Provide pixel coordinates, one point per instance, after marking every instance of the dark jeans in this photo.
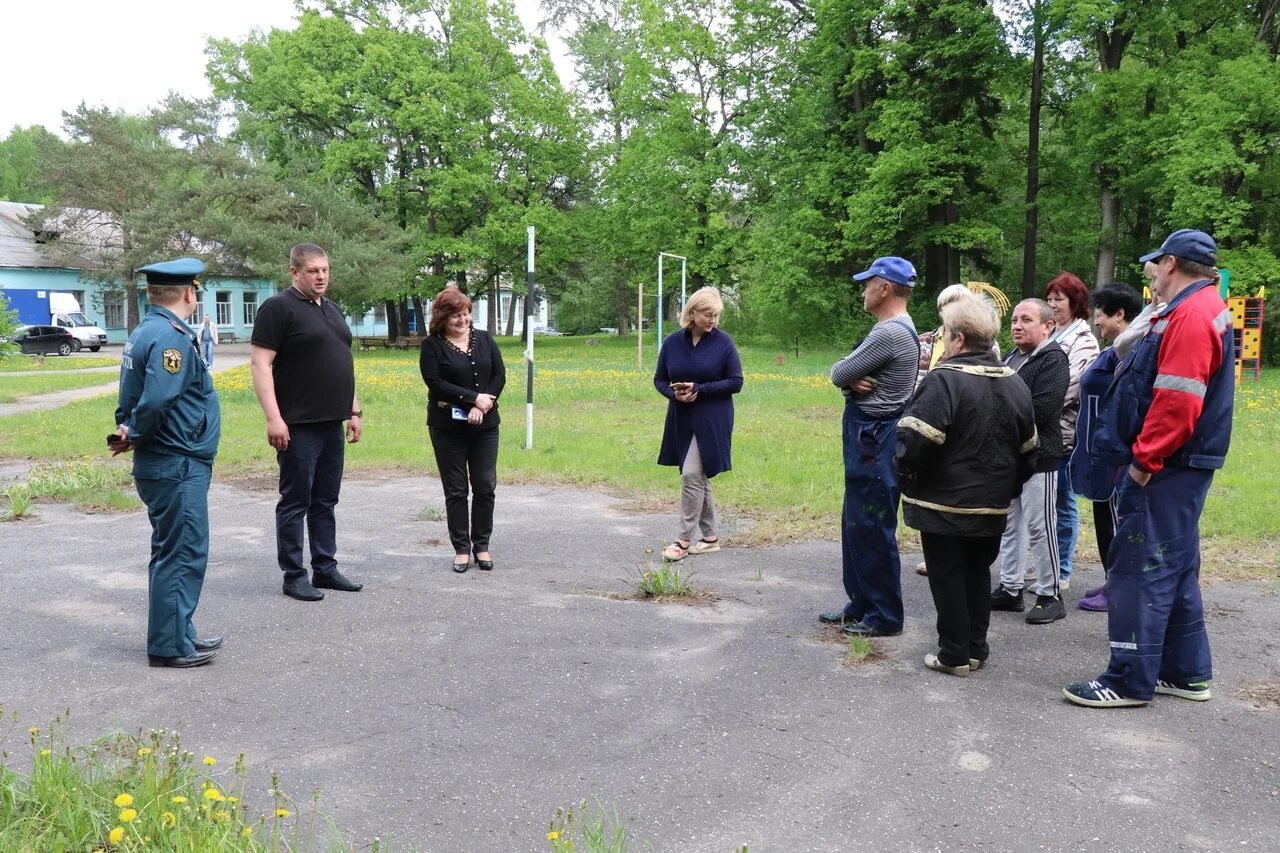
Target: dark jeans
(960, 580)
(310, 479)
(869, 546)
(462, 456)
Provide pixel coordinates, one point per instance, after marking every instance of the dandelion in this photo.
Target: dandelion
(553, 835)
(116, 835)
(45, 753)
(124, 800)
(209, 761)
(233, 800)
(246, 832)
(128, 815)
(178, 800)
(282, 812)
(144, 752)
(214, 794)
(33, 731)
(169, 819)
(221, 815)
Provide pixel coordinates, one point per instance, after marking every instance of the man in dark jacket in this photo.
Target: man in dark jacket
(1042, 365)
(966, 444)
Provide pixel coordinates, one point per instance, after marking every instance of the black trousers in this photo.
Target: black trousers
(960, 580)
(462, 457)
(310, 480)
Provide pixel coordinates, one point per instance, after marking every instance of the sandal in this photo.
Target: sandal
(705, 546)
(675, 552)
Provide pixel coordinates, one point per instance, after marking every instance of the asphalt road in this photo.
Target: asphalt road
(457, 712)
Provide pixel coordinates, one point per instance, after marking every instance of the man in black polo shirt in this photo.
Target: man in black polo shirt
(304, 376)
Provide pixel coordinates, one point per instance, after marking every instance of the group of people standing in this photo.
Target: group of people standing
(989, 455)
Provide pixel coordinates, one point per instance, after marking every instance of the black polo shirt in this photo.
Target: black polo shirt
(314, 370)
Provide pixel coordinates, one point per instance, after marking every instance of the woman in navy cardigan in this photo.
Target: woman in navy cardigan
(698, 372)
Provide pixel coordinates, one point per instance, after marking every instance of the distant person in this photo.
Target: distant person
(1069, 299)
(304, 378)
(877, 379)
(1167, 417)
(1115, 306)
(208, 339)
(168, 415)
(966, 444)
(464, 373)
(1042, 365)
(698, 372)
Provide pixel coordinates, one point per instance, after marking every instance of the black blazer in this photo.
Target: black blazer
(455, 379)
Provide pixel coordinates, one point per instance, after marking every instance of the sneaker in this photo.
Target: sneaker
(1048, 608)
(835, 617)
(932, 662)
(702, 546)
(674, 552)
(1092, 694)
(1010, 600)
(1096, 601)
(975, 664)
(862, 629)
(1196, 691)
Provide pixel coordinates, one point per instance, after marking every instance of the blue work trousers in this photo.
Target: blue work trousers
(1068, 521)
(1155, 617)
(869, 545)
(175, 490)
(310, 479)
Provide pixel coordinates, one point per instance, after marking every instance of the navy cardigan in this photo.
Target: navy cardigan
(716, 371)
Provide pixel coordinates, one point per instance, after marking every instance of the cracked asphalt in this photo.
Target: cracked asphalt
(456, 712)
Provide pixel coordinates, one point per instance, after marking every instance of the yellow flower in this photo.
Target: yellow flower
(116, 835)
(221, 815)
(179, 800)
(214, 794)
(209, 761)
(128, 815)
(33, 731)
(246, 832)
(233, 800)
(169, 819)
(45, 753)
(282, 812)
(123, 800)
(552, 835)
(144, 752)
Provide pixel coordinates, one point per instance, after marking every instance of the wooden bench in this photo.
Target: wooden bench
(227, 338)
(372, 342)
(408, 341)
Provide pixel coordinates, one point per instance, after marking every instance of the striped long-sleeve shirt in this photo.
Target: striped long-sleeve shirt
(889, 354)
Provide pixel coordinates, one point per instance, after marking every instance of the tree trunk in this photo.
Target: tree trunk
(622, 304)
(1030, 234)
(131, 297)
(1109, 210)
(419, 315)
(511, 315)
(491, 315)
(393, 318)
(404, 317)
(941, 262)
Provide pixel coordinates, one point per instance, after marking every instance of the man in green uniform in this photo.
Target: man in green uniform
(168, 415)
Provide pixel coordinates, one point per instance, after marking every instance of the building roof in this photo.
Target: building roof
(85, 237)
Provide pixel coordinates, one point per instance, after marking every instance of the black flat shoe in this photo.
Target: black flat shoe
(336, 580)
(301, 589)
(484, 565)
(461, 567)
(186, 662)
(208, 644)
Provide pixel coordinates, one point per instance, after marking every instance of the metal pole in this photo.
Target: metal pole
(640, 329)
(683, 300)
(528, 352)
(660, 300)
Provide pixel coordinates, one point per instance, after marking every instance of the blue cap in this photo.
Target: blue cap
(181, 271)
(897, 270)
(1195, 246)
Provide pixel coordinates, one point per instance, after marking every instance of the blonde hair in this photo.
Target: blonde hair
(951, 293)
(976, 319)
(702, 299)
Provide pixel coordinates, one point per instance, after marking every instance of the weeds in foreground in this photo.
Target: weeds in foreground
(665, 580)
(19, 497)
(144, 793)
(88, 485)
(579, 829)
(858, 650)
(431, 513)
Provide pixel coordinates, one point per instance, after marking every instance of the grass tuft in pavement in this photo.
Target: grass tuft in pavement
(665, 580)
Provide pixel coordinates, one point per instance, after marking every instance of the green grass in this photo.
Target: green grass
(16, 363)
(858, 650)
(92, 486)
(665, 580)
(598, 423)
(16, 387)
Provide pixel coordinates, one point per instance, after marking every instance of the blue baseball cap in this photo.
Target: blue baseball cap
(1195, 246)
(180, 271)
(897, 270)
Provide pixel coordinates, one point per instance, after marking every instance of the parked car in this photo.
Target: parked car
(546, 330)
(41, 340)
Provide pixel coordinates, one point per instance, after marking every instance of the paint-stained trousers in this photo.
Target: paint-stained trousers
(176, 492)
(1155, 616)
(869, 545)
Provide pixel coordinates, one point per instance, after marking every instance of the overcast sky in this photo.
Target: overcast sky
(126, 55)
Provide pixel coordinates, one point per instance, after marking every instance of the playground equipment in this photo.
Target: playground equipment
(1246, 321)
(995, 294)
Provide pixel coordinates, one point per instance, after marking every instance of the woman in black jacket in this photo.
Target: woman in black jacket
(464, 373)
(966, 444)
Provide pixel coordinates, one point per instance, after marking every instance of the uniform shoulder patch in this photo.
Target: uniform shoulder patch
(172, 360)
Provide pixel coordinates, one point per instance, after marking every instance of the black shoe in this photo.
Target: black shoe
(835, 617)
(484, 565)
(1003, 599)
(185, 662)
(461, 568)
(300, 588)
(1049, 608)
(335, 580)
(208, 644)
(862, 629)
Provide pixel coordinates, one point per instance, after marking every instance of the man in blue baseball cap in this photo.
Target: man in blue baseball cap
(168, 414)
(877, 379)
(1165, 421)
